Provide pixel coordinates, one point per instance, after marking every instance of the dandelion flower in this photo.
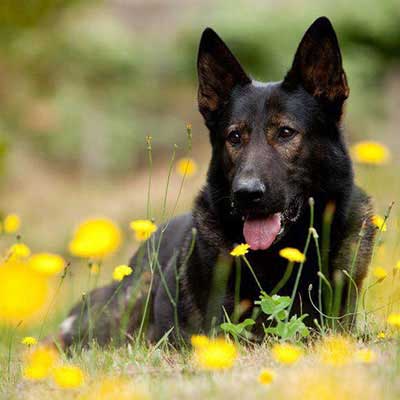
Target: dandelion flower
(95, 238)
(316, 383)
(370, 152)
(379, 222)
(121, 271)
(381, 335)
(394, 320)
(365, 356)
(240, 250)
(29, 341)
(292, 254)
(11, 223)
(379, 273)
(335, 350)
(217, 354)
(19, 250)
(47, 263)
(143, 229)
(114, 388)
(286, 353)
(68, 377)
(266, 376)
(186, 167)
(199, 340)
(39, 363)
(25, 294)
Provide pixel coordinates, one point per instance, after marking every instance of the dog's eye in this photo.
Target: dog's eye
(234, 138)
(286, 133)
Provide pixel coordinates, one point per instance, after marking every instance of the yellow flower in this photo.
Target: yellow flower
(114, 388)
(240, 250)
(11, 223)
(24, 293)
(394, 320)
(379, 222)
(266, 376)
(95, 269)
(29, 341)
(39, 363)
(292, 254)
(121, 271)
(335, 350)
(379, 273)
(286, 353)
(143, 229)
(19, 250)
(216, 354)
(47, 263)
(95, 238)
(397, 266)
(186, 167)
(315, 382)
(381, 335)
(365, 356)
(370, 152)
(68, 377)
(199, 340)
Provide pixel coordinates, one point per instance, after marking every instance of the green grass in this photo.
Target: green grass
(168, 374)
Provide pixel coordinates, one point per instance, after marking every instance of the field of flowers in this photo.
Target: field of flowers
(38, 287)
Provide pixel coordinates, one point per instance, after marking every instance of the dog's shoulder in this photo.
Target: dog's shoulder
(358, 235)
(360, 214)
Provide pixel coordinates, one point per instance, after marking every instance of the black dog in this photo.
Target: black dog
(274, 146)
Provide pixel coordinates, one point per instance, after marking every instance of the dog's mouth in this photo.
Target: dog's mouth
(262, 231)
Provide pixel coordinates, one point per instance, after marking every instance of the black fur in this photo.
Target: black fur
(274, 145)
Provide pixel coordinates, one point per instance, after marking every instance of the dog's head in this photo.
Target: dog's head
(274, 144)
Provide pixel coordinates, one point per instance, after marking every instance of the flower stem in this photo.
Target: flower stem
(296, 284)
(253, 273)
(284, 279)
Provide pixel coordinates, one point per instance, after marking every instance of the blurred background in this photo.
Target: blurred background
(82, 82)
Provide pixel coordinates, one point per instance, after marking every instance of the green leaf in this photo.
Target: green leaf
(274, 305)
(237, 329)
(289, 330)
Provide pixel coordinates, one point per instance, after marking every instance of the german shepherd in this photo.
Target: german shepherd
(274, 146)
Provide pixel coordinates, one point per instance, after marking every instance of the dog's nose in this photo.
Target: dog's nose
(248, 191)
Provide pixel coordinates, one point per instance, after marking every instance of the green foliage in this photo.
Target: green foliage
(276, 307)
(237, 329)
(290, 329)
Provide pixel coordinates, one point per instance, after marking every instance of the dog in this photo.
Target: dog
(274, 146)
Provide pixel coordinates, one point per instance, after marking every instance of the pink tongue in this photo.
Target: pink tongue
(260, 233)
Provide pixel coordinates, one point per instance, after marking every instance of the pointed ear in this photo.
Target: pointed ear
(219, 72)
(317, 66)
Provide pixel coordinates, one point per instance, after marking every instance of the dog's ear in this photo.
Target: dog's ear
(317, 66)
(218, 72)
